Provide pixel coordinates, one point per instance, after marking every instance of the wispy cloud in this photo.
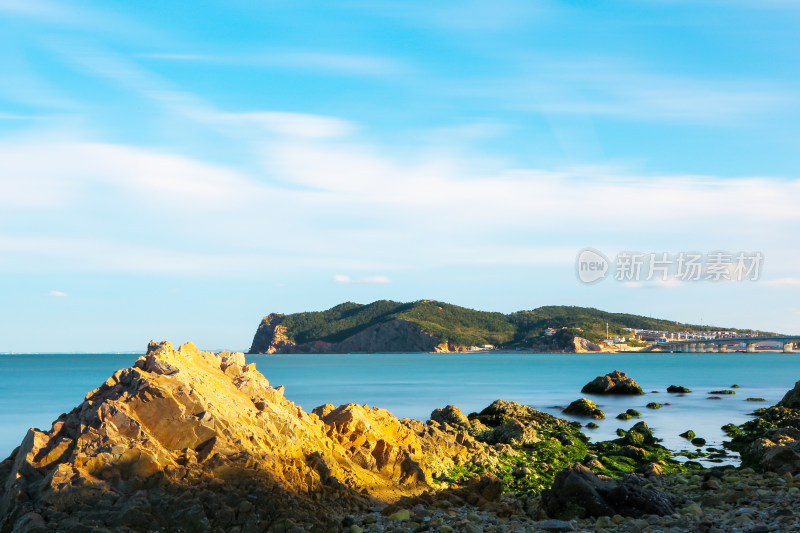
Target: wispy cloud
(347, 280)
(57, 294)
(47, 174)
(41, 9)
(606, 86)
(310, 60)
(301, 125)
(781, 283)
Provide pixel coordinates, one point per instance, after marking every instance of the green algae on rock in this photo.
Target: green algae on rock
(584, 407)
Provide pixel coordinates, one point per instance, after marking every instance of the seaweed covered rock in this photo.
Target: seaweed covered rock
(512, 432)
(578, 493)
(639, 435)
(499, 410)
(584, 407)
(614, 383)
(677, 389)
(772, 440)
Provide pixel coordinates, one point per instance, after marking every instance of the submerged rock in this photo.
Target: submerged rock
(614, 383)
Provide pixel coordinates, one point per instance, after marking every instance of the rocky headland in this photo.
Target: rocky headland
(433, 326)
(194, 441)
(395, 335)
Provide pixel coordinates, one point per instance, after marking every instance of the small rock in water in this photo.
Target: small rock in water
(653, 405)
(688, 435)
(678, 389)
(584, 407)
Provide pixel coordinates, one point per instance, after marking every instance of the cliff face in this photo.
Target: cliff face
(392, 336)
(183, 423)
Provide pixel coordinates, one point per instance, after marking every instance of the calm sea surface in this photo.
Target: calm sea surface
(35, 389)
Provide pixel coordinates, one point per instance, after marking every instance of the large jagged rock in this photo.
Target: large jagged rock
(772, 440)
(614, 383)
(444, 446)
(578, 493)
(214, 445)
(777, 451)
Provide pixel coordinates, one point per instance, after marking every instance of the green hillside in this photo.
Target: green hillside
(469, 327)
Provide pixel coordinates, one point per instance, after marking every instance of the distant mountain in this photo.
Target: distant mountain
(429, 326)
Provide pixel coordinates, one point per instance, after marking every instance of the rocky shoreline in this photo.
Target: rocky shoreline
(187, 440)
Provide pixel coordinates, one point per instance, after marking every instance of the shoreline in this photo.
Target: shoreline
(494, 469)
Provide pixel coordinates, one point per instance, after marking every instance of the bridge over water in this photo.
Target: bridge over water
(723, 345)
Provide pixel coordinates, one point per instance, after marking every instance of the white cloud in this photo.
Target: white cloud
(52, 173)
(348, 206)
(301, 125)
(346, 280)
(57, 294)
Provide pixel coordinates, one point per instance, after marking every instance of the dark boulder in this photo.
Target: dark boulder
(584, 407)
(614, 383)
(792, 398)
(678, 389)
(578, 493)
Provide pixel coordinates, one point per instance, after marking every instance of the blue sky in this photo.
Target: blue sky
(178, 170)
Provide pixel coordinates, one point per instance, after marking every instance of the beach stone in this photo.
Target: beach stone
(555, 525)
(615, 382)
(688, 435)
(398, 516)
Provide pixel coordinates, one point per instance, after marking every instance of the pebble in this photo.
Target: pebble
(743, 501)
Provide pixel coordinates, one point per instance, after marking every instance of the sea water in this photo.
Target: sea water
(35, 389)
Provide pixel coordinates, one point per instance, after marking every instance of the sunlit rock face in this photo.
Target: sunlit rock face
(201, 440)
